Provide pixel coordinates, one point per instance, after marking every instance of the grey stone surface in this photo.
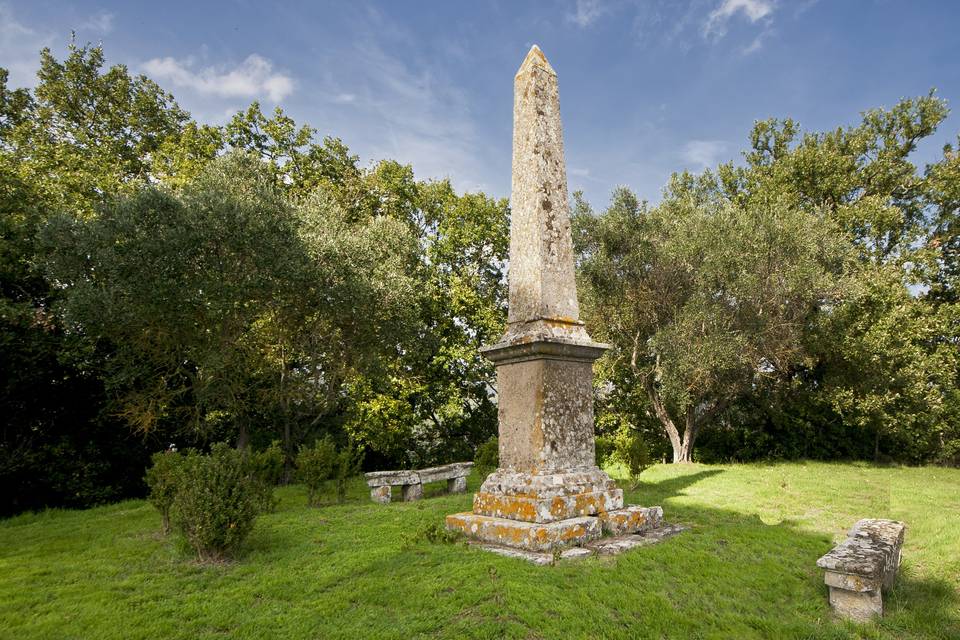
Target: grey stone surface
(412, 492)
(602, 546)
(542, 283)
(456, 485)
(861, 606)
(381, 494)
(548, 480)
(859, 568)
(412, 480)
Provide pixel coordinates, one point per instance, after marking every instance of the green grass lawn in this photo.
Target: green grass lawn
(746, 569)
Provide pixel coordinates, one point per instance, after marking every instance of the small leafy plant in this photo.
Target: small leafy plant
(163, 480)
(216, 503)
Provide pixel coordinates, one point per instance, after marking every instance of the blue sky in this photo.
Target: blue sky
(647, 87)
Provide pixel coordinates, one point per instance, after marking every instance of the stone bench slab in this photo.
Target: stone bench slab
(412, 481)
(859, 568)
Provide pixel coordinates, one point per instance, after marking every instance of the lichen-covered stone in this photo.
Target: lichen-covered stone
(391, 478)
(632, 519)
(548, 490)
(381, 494)
(860, 567)
(888, 534)
(604, 546)
(856, 605)
(855, 556)
(532, 536)
(546, 509)
(412, 480)
(457, 485)
(412, 492)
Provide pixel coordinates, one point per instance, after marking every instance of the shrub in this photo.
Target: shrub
(315, 465)
(163, 479)
(216, 503)
(266, 470)
(631, 450)
(487, 457)
(605, 446)
(268, 465)
(347, 465)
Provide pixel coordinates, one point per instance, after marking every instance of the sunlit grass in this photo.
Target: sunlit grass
(745, 569)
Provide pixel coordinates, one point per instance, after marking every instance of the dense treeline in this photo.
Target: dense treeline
(166, 281)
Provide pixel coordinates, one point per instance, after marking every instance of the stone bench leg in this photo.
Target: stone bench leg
(456, 485)
(412, 492)
(381, 494)
(861, 606)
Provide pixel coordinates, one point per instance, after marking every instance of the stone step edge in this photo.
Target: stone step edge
(605, 546)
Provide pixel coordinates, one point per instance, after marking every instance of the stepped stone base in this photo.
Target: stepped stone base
(546, 536)
(605, 546)
(532, 536)
(632, 519)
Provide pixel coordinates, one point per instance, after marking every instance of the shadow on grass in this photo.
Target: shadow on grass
(730, 575)
(658, 492)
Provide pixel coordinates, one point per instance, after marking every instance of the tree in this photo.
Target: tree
(701, 296)
(224, 295)
(878, 352)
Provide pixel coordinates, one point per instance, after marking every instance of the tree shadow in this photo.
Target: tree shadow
(665, 489)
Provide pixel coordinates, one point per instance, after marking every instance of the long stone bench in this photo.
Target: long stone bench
(858, 569)
(411, 482)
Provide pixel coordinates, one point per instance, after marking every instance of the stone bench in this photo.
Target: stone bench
(411, 482)
(862, 566)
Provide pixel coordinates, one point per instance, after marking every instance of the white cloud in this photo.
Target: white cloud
(703, 153)
(345, 98)
(20, 49)
(586, 13)
(253, 77)
(101, 23)
(753, 10)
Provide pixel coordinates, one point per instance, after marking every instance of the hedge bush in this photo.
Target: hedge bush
(216, 503)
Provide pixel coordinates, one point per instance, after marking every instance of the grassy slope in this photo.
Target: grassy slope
(746, 569)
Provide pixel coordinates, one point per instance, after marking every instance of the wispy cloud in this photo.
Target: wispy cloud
(586, 12)
(409, 110)
(345, 98)
(703, 153)
(101, 23)
(252, 78)
(752, 10)
(20, 48)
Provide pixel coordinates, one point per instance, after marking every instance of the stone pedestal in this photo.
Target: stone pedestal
(548, 490)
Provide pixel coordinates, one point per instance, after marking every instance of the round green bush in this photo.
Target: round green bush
(217, 502)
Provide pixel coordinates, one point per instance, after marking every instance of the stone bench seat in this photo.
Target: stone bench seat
(412, 481)
(859, 568)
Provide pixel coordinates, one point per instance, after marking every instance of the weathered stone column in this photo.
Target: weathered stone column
(548, 489)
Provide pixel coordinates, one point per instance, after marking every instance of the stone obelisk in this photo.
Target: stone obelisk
(548, 490)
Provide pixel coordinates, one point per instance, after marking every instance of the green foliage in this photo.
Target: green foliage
(701, 295)
(630, 450)
(315, 466)
(487, 457)
(216, 503)
(604, 447)
(346, 466)
(436, 533)
(819, 272)
(268, 464)
(164, 479)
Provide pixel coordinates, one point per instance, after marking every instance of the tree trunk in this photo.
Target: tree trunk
(664, 416)
(685, 454)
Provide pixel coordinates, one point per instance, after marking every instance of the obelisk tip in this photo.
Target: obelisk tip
(535, 58)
